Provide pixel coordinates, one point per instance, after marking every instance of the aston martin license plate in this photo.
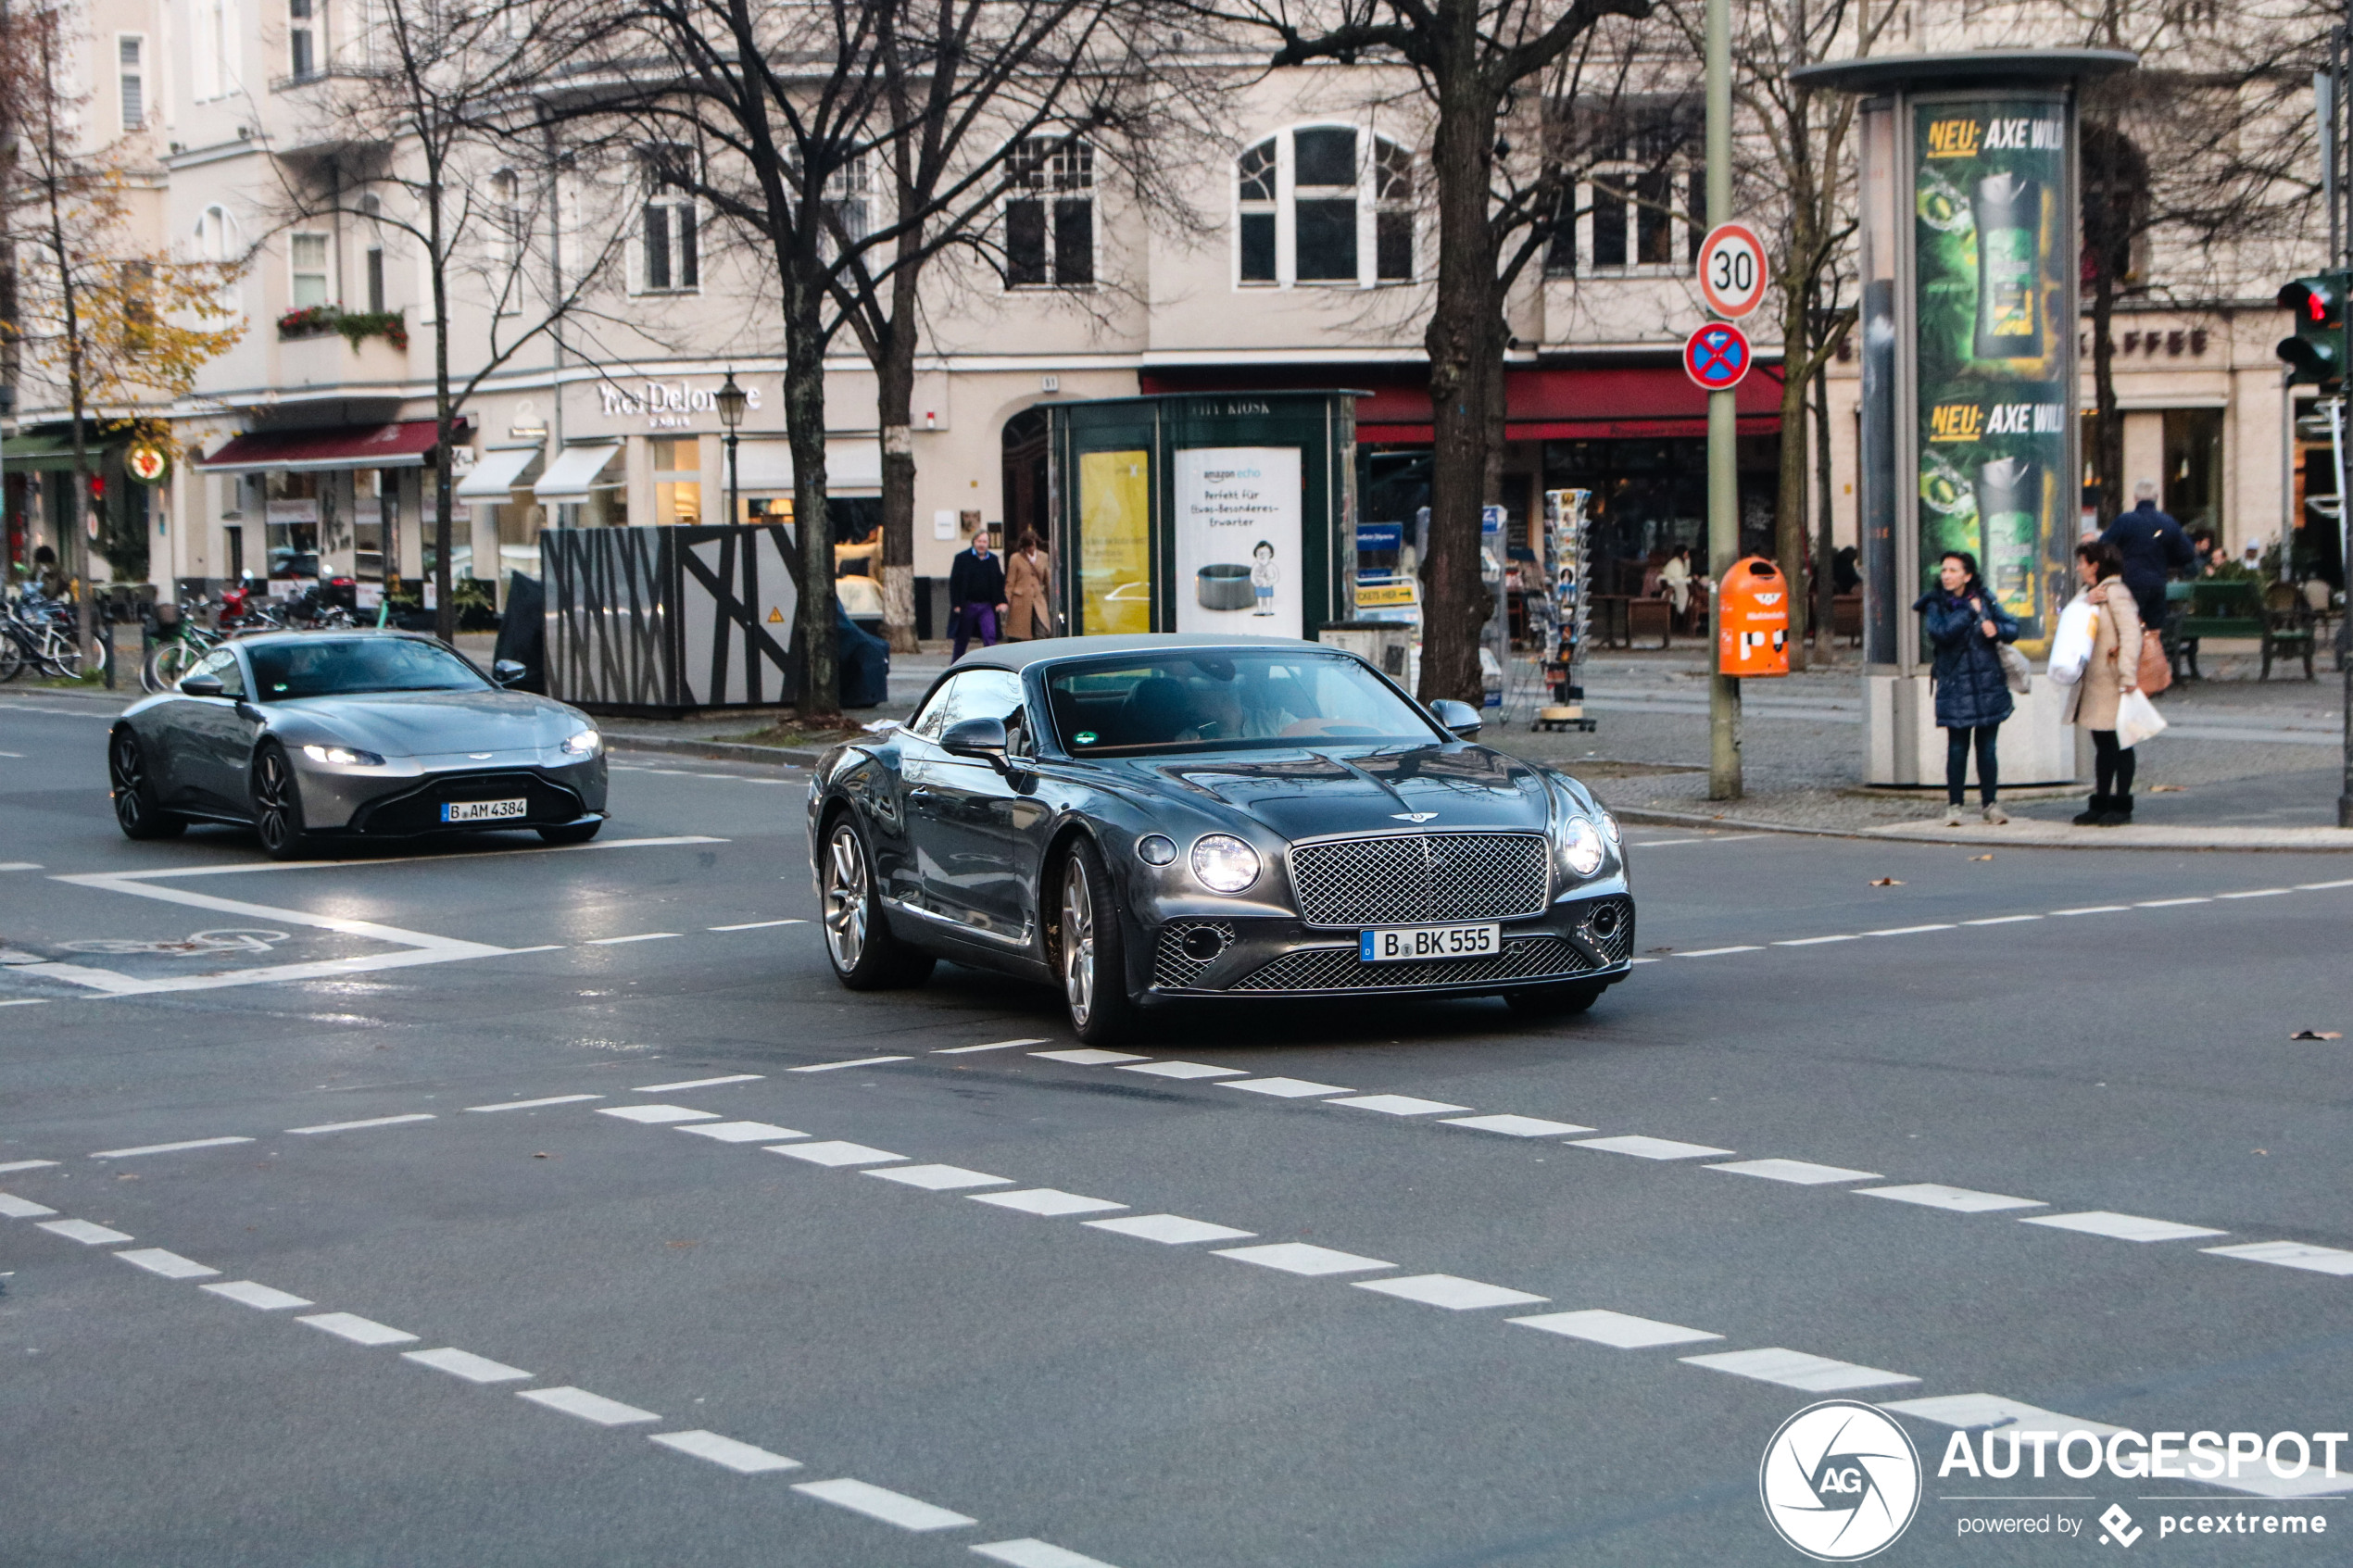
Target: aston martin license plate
(482, 811)
(1395, 943)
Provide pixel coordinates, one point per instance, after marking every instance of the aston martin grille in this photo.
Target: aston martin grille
(1421, 878)
(1338, 968)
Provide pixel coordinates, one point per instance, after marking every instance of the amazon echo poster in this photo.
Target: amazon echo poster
(1237, 539)
(1995, 239)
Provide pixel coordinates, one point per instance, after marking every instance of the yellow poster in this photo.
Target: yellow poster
(1115, 541)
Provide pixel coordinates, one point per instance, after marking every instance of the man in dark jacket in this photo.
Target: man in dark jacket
(976, 594)
(2154, 547)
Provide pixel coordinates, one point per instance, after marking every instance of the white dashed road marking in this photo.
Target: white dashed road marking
(26, 1165)
(837, 1066)
(741, 1458)
(1795, 1369)
(1960, 1200)
(1398, 1105)
(700, 1084)
(2123, 1227)
(1453, 1294)
(658, 1116)
(587, 1407)
(641, 936)
(2290, 1255)
(1035, 1554)
(1287, 1088)
(165, 1147)
(84, 1232)
(170, 1265)
(17, 1208)
(743, 1132)
(535, 1104)
(1620, 1331)
(358, 1330)
(356, 1126)
(756, 925)
(1299, 1258)
(466, 1364)
(1045, 1201)
(1183, 1069)
(1516, 1126)
(1802, 1172)
(1086, 1058)
(993, 1045)
(246, 1293)
(941, 1178)
(834, 1152)
(891, 1508)
(1173, 1230)
(1642, 1147)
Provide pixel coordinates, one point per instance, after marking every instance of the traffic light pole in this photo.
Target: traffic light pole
(2344, 554)
(1723, 430)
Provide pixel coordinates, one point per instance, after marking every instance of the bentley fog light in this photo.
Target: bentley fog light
(344, 756)
(1609, 826)
(1224, 863)
(1155, 849)
(585, 744)
(1581, 846)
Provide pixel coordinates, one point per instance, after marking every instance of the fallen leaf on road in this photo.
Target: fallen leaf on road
(2167, 789)
(1885, 881)
(2316, 1034)
(1980, 856)
(540, 1156)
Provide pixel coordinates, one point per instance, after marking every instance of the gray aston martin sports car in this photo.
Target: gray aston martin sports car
(1144, 820)
(309, 736)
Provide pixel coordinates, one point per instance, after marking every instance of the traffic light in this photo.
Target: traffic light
(2317, 354)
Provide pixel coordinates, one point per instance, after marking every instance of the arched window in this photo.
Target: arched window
(1324, 205)
(216, 235)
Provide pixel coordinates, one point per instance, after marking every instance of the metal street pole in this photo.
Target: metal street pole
(1723, 429)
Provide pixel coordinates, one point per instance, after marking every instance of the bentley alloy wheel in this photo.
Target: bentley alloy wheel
(847, 891)
(1078, 942)
(1089, 951)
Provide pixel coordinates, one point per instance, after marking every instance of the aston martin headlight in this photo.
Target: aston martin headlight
(1224, 863)
(585, 744)
(343, 755)
(1581, 843)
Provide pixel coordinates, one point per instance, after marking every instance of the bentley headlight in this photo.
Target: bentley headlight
(585, 744)
(1581, 843)
(1609, 826)
(1224, 863)
(343, 755)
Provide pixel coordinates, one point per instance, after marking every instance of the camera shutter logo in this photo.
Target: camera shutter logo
(1840, 1481)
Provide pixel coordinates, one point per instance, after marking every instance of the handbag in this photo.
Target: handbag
(2015, 670)
(2138, 719)
(2156, 670)
(2071, 645)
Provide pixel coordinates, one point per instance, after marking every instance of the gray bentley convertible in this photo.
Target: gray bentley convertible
(312, 735)
(1142, 820)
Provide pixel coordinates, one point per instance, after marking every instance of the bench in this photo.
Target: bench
(1646, 616)
(2197, 610)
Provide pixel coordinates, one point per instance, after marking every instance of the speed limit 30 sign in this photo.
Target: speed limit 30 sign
(1731, 270)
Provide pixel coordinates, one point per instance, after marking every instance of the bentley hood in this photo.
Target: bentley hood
(1375, 789)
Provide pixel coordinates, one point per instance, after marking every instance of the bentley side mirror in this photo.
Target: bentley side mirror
(1459, 717)
(202, 685)
(983, 738)
(506, 672)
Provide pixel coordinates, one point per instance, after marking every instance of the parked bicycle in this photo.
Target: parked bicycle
(40, 633)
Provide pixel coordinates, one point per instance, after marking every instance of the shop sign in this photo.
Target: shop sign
(1237, 539)
(147, 463)
(667, 405)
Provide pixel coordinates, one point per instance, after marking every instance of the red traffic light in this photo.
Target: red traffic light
(2317, 301)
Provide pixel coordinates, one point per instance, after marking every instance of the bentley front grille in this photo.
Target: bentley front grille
(1187, 948)
(1338, 968)
(1421, 878)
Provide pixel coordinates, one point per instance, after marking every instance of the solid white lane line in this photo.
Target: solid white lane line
(170, 1265)
(1801, 1172)
(1030, 1553)
(1086, 1057)
(1991, 1410)
(245, 1292)
(240, 867)
(1960, 1200)
(941, 1178)
(1299, 1258)
(15, 1208)
(641, 936)
(466, 1364)
(992, 1046)
(836, 1153)
(19, 865)
(1642, 1147)
(165, 1148)
(2095, 910)
(1907, 930)
(1718, 952)
(700, 1084)
(2121, 1227)
(535, 1104)
(358, 1330)
(656, 1115)
(2002, 920)
(1816, 941)
(2317, 886)
(1454, 1294)
(1795, 1369)
(1286, 1088)
(370, 1121)
(1397, 1105)
(1183, 1069)
(84, 1232)
(2290, 1255)
(2169, 903)
(742, 1132)
(1620, 1331)
(837, 1066)
(1170, 1230)
(1516, 1126)
(753, 925)
(26, 1165)
(587, 1406)
(741, 1458)
(891, 1508)
(1046, 1201)
(2256, 892)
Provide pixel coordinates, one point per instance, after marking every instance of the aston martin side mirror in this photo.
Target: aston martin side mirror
(983, 738)
(1459, 717)
(506, 672)
(202, 685)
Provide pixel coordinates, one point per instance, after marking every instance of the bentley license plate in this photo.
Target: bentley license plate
(482, 811)
(1395, 943)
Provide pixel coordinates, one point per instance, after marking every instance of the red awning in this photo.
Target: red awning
(404, 445)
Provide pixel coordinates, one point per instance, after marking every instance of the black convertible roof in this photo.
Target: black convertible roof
(1045, 651)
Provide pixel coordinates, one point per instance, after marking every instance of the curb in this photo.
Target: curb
(714, 750)
(1928, 835)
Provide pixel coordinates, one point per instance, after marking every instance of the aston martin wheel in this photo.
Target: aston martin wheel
(1089, 954)
(135, 811)
(865, 953)
(277, 805)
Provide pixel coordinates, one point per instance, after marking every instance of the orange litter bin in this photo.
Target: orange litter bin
(1753, 620)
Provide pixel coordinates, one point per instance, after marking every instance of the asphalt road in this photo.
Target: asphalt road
(924, 1293)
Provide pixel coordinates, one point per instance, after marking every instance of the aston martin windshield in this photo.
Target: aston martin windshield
(1214, 701)
(345, 666)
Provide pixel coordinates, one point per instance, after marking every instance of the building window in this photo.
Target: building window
(1324, 204)
(216, 48)
(677, 474)
(1641, 184)
(672, 259)
(132, 80)
(302, 54)
(307, 255)
(375, 279)
(1050, 215)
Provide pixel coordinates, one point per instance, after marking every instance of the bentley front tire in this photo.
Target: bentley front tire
(865, 953)
(1090, 954)
(135, 811)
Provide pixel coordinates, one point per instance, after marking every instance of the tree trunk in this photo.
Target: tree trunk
(1464, 341)
(445, 615)
(819, 699)
(2108, 427)
(1826, 541)
(1789, 507)
(894, 407)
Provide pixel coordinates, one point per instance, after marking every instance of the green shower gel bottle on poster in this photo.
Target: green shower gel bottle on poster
(2008, 212)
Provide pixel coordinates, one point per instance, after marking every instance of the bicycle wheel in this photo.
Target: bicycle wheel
(171, 660)
(11, 655)
(62, 654)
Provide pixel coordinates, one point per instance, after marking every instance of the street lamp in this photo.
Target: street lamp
(730, 400)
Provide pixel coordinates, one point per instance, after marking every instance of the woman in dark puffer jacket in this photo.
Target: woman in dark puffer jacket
(1966, 623)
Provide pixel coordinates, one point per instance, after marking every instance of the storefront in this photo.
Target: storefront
(342, 501)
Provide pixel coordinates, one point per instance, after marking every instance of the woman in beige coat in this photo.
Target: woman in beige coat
(2114, 669)
(1026, 592)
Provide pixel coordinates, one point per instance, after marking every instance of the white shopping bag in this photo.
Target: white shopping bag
(2079, 628)
(2138, 719)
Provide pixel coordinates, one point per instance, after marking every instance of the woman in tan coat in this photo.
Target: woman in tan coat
(2114, 669)
(1025, 592)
